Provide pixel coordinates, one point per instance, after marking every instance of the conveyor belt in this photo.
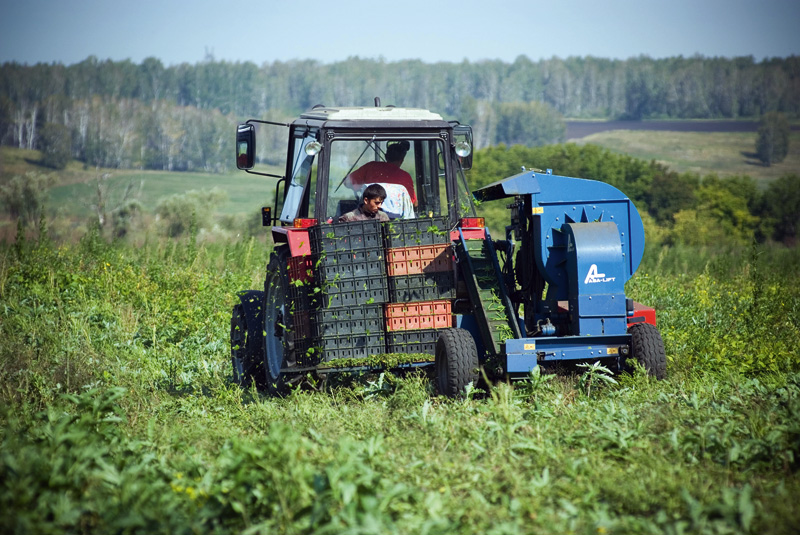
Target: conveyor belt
(494, 313)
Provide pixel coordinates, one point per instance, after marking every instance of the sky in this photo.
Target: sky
(190, 31)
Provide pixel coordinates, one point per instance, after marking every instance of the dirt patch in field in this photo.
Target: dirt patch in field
(581, 129)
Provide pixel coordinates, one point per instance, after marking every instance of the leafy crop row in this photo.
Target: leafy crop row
(118, 413)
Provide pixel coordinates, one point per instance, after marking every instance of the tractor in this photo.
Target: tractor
(428, 287)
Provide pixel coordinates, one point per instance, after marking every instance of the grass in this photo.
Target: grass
(246, 193)
(117, 413)
(76, 188)
(704, 153)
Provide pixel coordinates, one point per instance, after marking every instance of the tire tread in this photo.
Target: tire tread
(647, 347)
(456, 361)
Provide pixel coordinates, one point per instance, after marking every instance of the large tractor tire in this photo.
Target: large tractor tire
(278, 349)
(456, 362)
(647, 348)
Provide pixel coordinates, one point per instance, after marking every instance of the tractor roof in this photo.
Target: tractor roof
(372, 118)
(389, 113)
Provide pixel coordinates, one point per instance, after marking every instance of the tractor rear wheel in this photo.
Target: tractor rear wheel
(456, 362)
(647, 348)
(277, 322)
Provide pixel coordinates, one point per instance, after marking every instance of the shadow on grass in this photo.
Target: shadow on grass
(37, 163)
(751, 158)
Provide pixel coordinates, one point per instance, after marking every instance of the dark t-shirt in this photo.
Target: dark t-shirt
(360, 215)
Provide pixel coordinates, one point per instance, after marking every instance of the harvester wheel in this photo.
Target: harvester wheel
(277, 321)
(243, 367)
(456, 362)
(648, 349)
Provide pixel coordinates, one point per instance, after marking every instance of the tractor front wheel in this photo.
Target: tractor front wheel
(456, 362)
(648, 349)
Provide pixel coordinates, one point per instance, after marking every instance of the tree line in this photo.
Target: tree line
(152, 116)
(678, 208)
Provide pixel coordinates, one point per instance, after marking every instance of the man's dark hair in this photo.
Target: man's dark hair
(397, 150)
(375, 191)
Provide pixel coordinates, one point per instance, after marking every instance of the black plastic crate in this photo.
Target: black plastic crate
(419, 341)
(364, 312)
(353, 292)
(343, 237)
(413, 232)
(354, 346)
(423, 287)
(330, 267)
(347, 321)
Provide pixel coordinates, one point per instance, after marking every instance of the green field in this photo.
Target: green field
(118, 414)
(702, 153)
(76, 188)
(246, 193)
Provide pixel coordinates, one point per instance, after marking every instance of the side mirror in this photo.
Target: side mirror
(245, 146)
(462, 140)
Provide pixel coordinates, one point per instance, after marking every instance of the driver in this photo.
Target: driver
(370, 207)
(387, 172)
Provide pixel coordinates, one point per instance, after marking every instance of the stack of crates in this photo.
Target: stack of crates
(421, 281)
(350, 287)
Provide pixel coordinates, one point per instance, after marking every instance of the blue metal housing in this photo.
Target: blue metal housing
(558, 200)
(588, 241)
(595, 279)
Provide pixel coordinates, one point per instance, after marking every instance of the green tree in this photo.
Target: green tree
(181, 212)
(529, 123)
(721, 215)
(631, 175)
(781, 208)
(693, 227)
(669, 193)
(6, 121)
(125, 217)
(744, 186)
(772, 143)
(24, 197)
(55, 142)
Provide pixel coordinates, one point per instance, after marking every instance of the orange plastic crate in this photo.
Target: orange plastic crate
(419, 259)
(422, 315)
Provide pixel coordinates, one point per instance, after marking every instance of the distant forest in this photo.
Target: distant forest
(120, 114)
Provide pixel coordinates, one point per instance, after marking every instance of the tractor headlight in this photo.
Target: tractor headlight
(313, 148)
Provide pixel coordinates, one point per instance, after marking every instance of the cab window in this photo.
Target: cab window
(301, 183)
(407, 169)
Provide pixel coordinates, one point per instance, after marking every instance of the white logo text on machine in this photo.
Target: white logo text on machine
(593, 276)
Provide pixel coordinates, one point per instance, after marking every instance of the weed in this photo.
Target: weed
(595, 373)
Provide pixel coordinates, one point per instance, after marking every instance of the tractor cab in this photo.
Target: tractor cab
(334, 153)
